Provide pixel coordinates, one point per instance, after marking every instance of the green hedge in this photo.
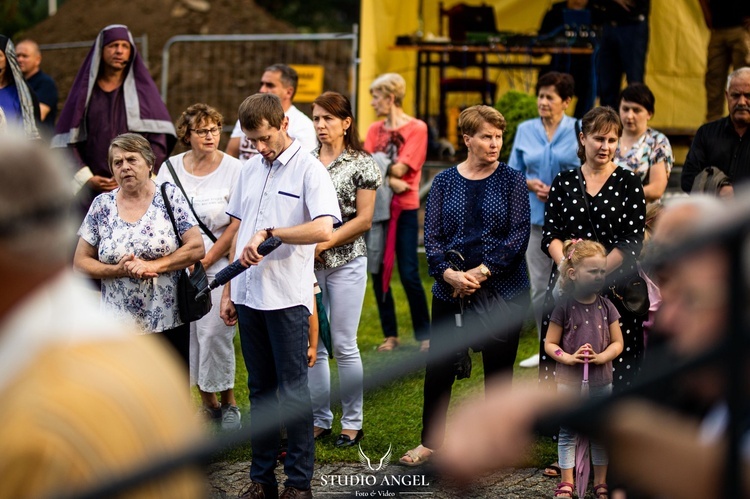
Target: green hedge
(516, 107)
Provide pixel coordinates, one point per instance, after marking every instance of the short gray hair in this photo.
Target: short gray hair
(737, 72)
(35, 198)
(132, 142)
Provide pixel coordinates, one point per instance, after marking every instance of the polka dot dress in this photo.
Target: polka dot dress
(618, 212)
(487, 221)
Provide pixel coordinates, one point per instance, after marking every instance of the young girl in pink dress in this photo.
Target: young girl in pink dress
(583, 331)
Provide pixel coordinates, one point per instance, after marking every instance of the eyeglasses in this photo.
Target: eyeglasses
(202, 132)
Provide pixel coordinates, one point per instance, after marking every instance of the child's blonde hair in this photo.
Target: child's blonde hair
(574, 252)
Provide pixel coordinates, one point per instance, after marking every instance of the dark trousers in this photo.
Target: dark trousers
(407, 233)
(274, 345)
(498, 357)
(179, 339)
(622, 51)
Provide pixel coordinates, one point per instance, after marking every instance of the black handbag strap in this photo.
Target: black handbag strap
(179, 184)
(586, 202)
(169, 211)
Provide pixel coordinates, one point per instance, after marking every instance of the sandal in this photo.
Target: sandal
(390, 343)
(601, 491)
(553, 470)
(561, 492)
(417, 459)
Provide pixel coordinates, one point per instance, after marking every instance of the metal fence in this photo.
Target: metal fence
(221, 70)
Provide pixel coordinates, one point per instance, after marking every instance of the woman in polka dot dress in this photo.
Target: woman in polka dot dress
(615, 217)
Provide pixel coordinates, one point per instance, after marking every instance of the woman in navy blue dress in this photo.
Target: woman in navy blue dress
(479, 208)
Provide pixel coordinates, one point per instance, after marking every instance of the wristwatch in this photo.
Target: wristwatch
(484, 270)
(269, 231)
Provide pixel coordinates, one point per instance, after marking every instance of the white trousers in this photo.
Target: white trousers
(212, 363)
(343, 294)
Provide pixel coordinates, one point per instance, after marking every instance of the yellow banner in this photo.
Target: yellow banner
(310, 84)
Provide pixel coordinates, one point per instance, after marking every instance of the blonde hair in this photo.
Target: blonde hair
(390, 84)
(576, 251)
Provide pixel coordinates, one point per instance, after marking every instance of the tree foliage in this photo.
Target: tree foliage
(18, 15)
(516, 107)
(318, 16)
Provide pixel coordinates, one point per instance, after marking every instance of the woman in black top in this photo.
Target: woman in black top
(615, 217)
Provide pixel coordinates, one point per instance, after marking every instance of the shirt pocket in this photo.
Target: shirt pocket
(287, 207)
(289, 194)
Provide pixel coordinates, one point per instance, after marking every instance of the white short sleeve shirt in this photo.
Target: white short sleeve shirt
(296, 188)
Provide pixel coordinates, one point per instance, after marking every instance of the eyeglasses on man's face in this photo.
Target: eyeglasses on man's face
(202, 132)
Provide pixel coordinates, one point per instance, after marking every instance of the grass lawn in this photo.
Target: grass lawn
(393, 414)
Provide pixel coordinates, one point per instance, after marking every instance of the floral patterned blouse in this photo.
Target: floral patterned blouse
(350, 172)
(151, 302)
(653, 147)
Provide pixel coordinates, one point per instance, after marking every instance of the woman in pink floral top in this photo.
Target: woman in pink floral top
(642, 149)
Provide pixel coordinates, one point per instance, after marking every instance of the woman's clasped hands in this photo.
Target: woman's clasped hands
(463, 283)
(137, 268)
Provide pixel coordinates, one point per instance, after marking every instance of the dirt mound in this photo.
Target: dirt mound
(78, 20)
(81, 20)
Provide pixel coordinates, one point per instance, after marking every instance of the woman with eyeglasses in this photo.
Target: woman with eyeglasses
(208, 177)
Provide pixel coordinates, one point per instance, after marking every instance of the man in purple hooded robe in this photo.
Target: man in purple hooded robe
(113, 93)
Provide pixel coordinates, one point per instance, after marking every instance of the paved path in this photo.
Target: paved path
(344, 480)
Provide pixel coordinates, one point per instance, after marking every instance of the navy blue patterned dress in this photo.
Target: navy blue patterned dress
(488, 222)
(618, 214)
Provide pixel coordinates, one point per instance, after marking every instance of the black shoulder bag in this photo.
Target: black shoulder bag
(189, 285)
(632, 291)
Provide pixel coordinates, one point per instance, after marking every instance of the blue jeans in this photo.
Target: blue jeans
(274, 345)
(407, 232)
(622, 50)
(566, 443)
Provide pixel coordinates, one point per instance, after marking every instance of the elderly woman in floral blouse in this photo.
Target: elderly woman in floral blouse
(341, 264)
(128, 242)
(642, 149)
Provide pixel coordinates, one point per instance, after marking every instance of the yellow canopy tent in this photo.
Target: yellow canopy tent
(675, 63)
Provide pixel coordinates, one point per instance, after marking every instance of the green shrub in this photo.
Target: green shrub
(516, 107)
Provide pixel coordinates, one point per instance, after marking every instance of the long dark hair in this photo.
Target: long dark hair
(339, 106)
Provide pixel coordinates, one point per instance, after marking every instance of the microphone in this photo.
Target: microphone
(236, 268)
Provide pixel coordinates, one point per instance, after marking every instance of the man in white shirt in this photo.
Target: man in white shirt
(280, 80)
(286, 193)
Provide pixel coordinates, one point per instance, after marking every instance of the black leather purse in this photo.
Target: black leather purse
(189, 284)
(632, 292)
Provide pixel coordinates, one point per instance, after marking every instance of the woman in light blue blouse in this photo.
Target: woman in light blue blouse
(479, 209)
(544, 147)
(642, 149)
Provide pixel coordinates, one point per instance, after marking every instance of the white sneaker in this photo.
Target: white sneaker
(532, 361)
(230, 419)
